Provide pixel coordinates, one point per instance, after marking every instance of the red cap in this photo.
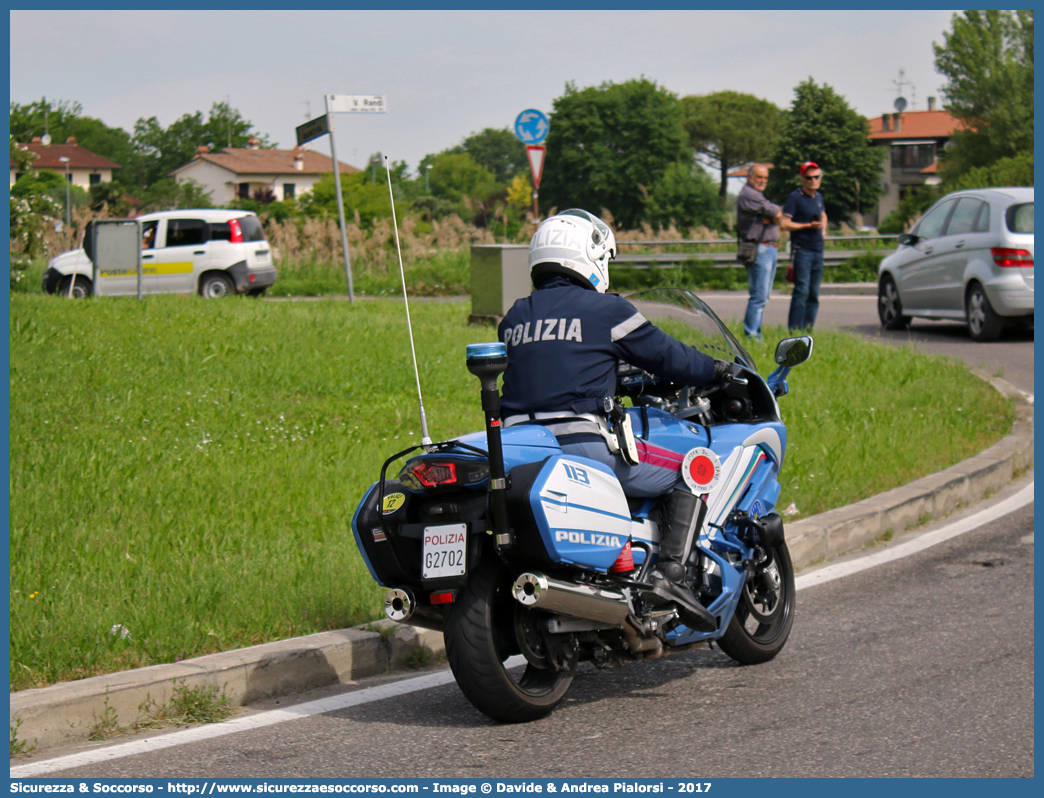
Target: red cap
(808, 165)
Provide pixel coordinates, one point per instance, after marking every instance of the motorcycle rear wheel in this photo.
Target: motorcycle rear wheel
(761, 624)
(480, 637)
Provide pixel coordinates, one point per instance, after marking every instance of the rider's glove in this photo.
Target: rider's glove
(722, 371)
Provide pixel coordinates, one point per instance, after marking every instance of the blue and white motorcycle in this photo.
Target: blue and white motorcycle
(531, 560)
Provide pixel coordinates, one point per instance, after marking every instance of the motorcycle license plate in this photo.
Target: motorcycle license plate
(443, 551)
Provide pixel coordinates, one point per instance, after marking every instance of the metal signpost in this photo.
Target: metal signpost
(531, 127)
(115, 254)
(340, 104)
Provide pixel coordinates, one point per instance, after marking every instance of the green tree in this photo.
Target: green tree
(820, 126)
(499, 151)
(728, 128)
(168, 194)
(988, 60)
(165, 149)
(471, 187)
(686, 197)
(608, 147)
(368, 199)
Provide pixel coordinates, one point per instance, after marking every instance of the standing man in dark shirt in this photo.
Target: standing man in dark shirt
(564, 342)
(757, 219)
(805, 217)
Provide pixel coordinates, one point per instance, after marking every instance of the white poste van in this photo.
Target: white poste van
(215, 252)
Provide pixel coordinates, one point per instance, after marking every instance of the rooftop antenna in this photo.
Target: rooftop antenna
(899, 84)
(425, 437)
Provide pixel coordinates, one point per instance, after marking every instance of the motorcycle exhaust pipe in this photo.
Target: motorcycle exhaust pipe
(399, 604)
(570, 598)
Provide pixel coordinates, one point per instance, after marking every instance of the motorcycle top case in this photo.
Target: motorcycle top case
(571, 507)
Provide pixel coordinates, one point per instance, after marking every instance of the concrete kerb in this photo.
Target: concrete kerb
(66, 713)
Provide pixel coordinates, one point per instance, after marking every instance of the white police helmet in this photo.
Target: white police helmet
(573, 243)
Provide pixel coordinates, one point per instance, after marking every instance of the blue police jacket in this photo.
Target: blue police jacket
(564, 342)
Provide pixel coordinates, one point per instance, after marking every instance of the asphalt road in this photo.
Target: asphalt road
(1011, 357)
(921, 667)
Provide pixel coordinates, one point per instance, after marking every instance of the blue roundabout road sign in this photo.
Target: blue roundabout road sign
(531, 126)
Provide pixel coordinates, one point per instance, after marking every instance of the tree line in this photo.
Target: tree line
(634, 150)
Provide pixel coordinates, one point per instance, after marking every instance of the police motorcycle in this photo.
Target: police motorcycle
(531, 561)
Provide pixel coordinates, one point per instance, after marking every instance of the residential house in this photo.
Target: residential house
(911, 143)
(239, 173)
(85, 168)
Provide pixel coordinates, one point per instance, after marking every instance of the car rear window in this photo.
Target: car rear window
(251, 227)
(1019, 218)
(220, 231)
(186, 232)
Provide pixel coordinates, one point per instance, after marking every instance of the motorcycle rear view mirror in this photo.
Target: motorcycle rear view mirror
(792, 352)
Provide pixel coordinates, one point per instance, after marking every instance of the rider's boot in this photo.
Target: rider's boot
(682, 514)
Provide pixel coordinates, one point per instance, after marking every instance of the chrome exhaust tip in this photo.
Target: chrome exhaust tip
(528, 589)
(590, 602)
(399, 604)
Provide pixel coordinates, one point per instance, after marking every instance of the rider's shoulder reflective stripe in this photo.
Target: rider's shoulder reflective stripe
(625, 328)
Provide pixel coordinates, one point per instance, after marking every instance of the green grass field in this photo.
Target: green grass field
(183, 471)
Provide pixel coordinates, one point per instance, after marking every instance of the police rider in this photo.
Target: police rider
(564, 342)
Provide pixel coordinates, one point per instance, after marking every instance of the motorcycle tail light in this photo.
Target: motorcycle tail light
(1012, 258)
(426, 474)
(433, 474)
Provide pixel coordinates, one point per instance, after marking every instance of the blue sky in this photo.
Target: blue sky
(446, 74)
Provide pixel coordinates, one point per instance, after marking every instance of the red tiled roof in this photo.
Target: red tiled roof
(79, 158)
(917, 125)
(931, 169)
(270, 162)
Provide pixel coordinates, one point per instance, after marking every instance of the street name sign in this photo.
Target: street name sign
(357, 104)
(312, 129)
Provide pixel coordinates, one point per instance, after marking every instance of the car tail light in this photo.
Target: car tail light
(1012, 258)
(442, 598)
(432, 474)
(237, 231)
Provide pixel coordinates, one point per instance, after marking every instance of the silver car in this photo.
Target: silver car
(970, 258)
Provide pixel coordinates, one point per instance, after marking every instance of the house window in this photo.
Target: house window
(288, 190)
(95, 179)
(913, 156)
(244, 191)
(68, 176)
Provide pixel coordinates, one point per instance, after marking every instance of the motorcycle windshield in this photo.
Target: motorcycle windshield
(683, 315)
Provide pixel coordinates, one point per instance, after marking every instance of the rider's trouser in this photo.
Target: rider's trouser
(653, 476)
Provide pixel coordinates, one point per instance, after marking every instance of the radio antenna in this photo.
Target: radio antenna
(425, 438)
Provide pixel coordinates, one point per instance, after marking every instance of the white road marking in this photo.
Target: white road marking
(920, 543)
(370, 694)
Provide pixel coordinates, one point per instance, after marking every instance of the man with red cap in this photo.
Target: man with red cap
(805, 217)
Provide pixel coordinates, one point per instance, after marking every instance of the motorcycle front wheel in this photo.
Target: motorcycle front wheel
(765, 614)
(480, 637)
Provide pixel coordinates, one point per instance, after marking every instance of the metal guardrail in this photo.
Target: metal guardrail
(664, 260)
(867, 237)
